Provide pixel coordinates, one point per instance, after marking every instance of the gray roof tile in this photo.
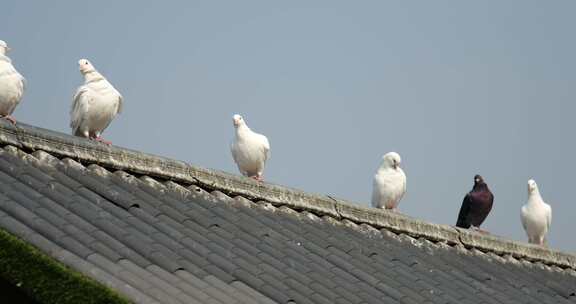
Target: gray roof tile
(249, 278)
(229, 289)
(121, 249)
(323, 291)
(255, 295)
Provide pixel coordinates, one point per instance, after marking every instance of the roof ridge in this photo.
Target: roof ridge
(62, 145)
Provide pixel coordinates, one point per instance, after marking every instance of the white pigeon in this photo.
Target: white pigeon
(95, 104)
(536, 215)
(250, 150)
(389, 183)
(12, 85)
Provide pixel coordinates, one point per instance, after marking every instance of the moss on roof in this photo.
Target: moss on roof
(46, 280)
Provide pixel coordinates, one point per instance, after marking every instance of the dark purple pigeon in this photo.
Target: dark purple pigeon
(476, 205)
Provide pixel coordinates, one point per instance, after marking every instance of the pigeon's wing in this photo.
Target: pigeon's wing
(480, 215)
(548, 216)
(80, 107)
(403, 175)
(21, 87)
(8, 71)
(384, 192)
(233, 151)
(523, 217)
(117, 110)
(463, 215)
(548, 222)
(265, 147)
(22, 83)
(120, 104)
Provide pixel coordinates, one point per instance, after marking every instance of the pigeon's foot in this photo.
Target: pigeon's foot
(258, 177)
(10, 119)
(477, 229)
(100, 139)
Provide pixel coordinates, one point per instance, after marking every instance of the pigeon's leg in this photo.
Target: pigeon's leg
(258, 177)
(96, 136)
(100, 139)
(10, 119)
(478, 229)
(542, 241)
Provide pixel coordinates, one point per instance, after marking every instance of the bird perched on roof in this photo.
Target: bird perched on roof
(536, 215)
(389, 183)
(12, 85)
(95, 104)
(476, 205)
(250, 150)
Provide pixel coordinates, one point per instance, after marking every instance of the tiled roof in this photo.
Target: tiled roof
(162, 231)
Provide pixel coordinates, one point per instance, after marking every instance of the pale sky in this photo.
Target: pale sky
(455, 87)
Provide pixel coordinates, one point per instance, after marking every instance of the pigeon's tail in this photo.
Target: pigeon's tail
(463, 220)
(77, 132)
(462, 224)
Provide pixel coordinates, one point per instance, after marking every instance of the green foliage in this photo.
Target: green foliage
(46, 280)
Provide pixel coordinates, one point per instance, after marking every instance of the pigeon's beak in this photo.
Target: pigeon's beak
(8, 49)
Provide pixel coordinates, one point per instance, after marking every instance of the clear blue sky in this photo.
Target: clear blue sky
(456, 87)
